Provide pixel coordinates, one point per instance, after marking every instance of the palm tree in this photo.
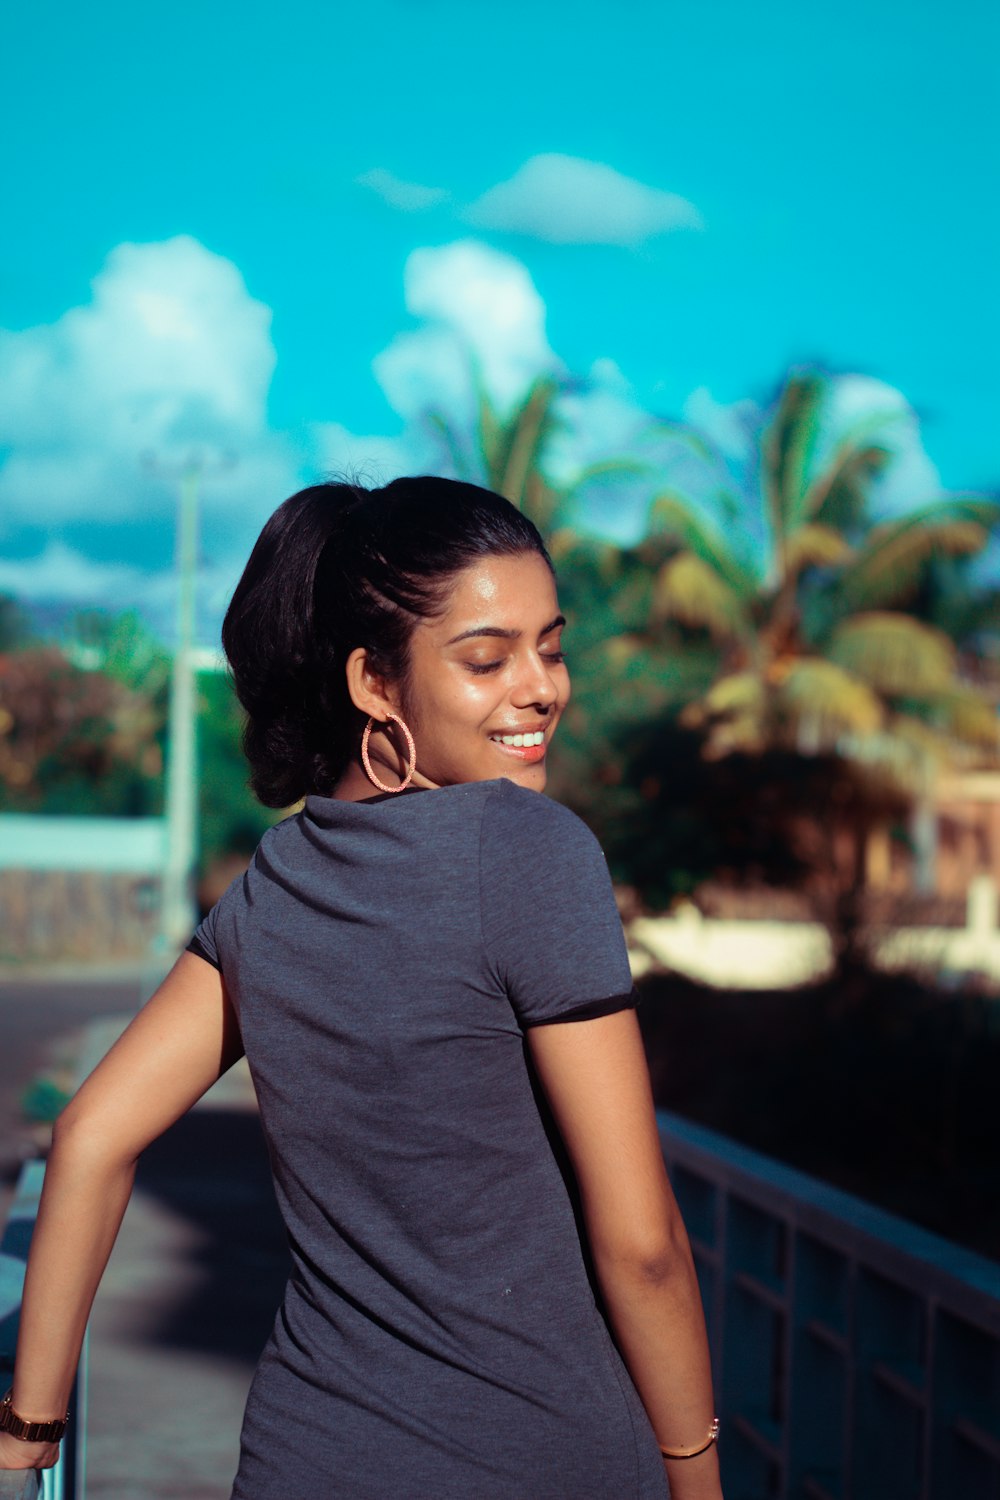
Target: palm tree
(505, 451)
(817, 651)
(821, 645)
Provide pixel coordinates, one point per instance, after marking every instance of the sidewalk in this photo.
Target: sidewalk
(186, 1304)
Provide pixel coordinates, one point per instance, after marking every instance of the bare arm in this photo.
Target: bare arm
(595, 1077)
(180, 1043)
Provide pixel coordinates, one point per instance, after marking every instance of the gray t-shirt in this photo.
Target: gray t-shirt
(439, 1337)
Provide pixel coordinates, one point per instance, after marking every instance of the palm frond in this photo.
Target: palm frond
(739, 693)
(698, 442)
(891, 563)
(788, 449)
(443, 429)
(838, 495)
(827, 700)
(927, 745)
(923, 751)
(670, 515)
(620, 651)
(523, 438)
(815, 546)
(604, 560)
(541, 502)
(692, 591)
(906, 751)
(609, 468)
(894, 653)
(966, 715)
(489, 433)
(798, 487)
(732, 716)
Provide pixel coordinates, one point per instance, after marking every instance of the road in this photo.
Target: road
(39, 1019)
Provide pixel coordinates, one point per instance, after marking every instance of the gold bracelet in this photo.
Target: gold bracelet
(713, 1437)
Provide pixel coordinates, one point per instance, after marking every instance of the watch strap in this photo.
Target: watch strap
(29, 1432)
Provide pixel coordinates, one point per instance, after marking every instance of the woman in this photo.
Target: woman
(426, 971)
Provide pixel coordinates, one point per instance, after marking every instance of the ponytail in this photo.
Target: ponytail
(337, 567)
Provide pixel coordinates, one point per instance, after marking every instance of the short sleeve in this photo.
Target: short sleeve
(551, 929)
(203, 942)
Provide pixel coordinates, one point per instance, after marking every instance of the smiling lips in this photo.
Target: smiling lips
(527, 747)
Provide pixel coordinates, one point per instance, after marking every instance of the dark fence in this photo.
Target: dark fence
(856, 1356)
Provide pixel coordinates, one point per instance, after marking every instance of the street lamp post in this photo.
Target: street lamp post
(178, 907)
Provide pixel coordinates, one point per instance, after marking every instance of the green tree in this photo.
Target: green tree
(74, 739)
(15, 627)
(231, 820)
(123, 647)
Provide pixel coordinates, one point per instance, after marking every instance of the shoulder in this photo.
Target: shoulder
(275, 843)
(514, 811)
(274, 840)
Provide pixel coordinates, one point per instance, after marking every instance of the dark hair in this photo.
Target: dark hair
(336, 567)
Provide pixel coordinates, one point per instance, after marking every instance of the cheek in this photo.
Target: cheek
(454, 702)
(474, 699)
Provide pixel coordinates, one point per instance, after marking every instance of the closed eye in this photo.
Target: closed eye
(551, 658)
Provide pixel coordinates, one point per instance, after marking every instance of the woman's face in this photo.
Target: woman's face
(487, 670)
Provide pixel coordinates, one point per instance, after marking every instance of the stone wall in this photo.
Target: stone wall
(54, 915)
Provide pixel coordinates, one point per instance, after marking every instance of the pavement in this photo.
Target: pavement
(43, 1015)
(186, 1302)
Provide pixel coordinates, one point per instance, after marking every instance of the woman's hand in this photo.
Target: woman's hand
(16, 1454)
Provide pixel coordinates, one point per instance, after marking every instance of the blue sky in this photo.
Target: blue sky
(271, 228)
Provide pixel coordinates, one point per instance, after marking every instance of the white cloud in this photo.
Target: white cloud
(408, 197)
(568, 200)
(475, 303)
(173, 355)
(600, 420)
(863, 404)
(61, 574)
(732, 427)
(65, 576)
(170, 356)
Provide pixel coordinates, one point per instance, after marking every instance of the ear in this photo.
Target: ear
(369, 690)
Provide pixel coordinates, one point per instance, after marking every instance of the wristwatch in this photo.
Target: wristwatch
(29, 1432)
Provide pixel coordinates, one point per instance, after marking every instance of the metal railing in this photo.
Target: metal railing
(856, 1356)
(66, 1480)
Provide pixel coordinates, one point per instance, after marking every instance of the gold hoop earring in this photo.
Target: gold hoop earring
(411, 751)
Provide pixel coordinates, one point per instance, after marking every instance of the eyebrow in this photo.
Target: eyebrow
(504, 635)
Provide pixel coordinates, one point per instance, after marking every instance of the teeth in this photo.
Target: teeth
(520, 740)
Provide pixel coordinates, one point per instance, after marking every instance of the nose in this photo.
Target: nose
(535, 686)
